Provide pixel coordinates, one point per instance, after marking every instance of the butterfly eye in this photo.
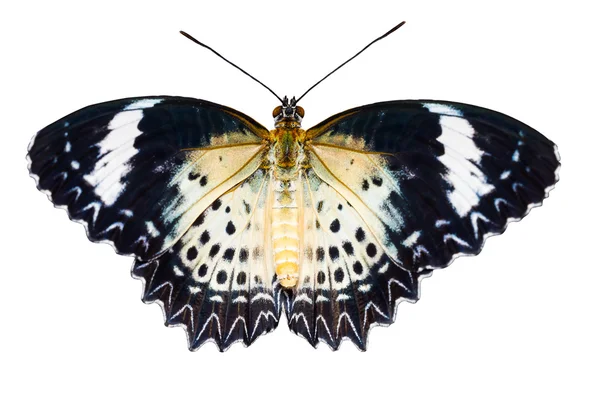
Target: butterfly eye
(300, 111)
(276, 111)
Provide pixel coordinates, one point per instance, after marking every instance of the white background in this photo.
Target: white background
(519, 321)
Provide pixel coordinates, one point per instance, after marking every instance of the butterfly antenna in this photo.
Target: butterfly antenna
(187, 35)
(353, 57)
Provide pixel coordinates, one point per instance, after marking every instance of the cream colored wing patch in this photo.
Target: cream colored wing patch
(347, 282)
(204, 176)
(218, 280)
(363, 180)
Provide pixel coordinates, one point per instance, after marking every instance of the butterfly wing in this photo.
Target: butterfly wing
(347, 281)
(409, 185)
(137, 172)
(143, 174)
(218, 280)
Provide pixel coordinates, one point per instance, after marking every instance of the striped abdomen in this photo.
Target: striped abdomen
(286, 240)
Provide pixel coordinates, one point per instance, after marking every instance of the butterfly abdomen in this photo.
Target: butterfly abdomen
(285, 235)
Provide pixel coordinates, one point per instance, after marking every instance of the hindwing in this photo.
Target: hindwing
(218, 280)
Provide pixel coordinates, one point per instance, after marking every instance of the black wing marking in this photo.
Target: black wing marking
(218, 281)
(347, 282)
(430, 181)
(137, 172)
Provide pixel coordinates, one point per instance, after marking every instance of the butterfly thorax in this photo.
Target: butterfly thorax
(287, 151)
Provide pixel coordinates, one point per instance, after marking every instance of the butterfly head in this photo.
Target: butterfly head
(288, 113)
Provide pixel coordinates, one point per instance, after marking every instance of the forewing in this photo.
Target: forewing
(218, 280)
(426, 181)
(137, 172)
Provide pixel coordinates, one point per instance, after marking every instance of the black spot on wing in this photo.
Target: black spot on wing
(321, 277)
(199, 221)
(202, 270)
(243, 255)
(214, 250)
(360, 234)
(348, 248)
(205, 237)
(192, 253)
(371, 250)
(334, 253)
(335, 226)
(241, 278)
(320, 252)
(229, 254)
(230, 228)
(357, 267)
(320, 206)
(221, 277)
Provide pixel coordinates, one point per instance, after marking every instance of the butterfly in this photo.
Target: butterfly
(232, 225)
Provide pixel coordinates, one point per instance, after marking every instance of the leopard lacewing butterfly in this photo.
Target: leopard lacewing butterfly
(231, 223)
